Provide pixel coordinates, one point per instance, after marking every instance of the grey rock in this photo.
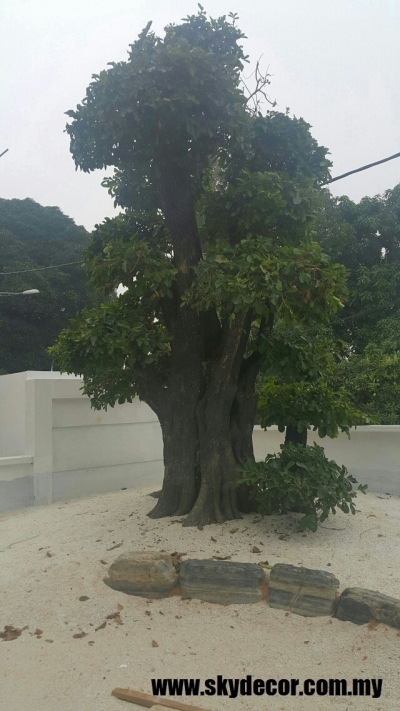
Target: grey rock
(306, 592)
(146, 574)
(359, 605)
(222, 582)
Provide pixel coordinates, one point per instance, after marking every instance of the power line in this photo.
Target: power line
(358, 170)
(2, 154)
(40, 269)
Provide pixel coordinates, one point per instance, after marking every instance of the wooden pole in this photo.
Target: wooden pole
(138, 697)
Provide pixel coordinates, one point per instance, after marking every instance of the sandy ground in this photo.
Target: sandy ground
(43, 578)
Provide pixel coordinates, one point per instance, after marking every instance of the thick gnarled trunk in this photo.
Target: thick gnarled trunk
(216, 501)
(179, 489)
(178, 421)
(206, 437)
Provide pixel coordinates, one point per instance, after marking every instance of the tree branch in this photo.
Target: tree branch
(151, 391)
(259, 94)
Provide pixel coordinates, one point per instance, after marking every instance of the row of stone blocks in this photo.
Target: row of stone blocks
(299, 590)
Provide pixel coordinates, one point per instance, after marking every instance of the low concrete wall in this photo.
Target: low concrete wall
(372, 454)
(73, 450)
(16, 482)
(54, 447)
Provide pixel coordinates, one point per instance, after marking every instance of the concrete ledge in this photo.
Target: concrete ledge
(12, 461)
(12, 468)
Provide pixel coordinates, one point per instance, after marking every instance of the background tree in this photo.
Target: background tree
(372, 377)
(350, 376)
(365, 237)
(33, 236)
(214, 243)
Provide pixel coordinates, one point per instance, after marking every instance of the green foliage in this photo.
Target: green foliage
(303, 480)
(263, 203)
(134, 252)
(365, 238)
(112, 345)
(286, 145)
(32, 237)
(304, 405)
(296, 282)
(177, 96)
(299, 386)
(373, 382)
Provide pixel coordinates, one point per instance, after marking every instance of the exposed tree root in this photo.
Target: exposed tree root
(164, 507)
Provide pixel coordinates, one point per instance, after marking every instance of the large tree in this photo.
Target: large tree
(33, 237)
(214, 241)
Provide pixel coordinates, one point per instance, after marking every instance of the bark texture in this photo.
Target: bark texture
(216, 501)
(177, 419)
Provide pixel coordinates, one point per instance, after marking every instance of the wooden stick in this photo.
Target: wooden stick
(138, 697)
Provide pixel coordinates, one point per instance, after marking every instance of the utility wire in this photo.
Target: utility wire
(2, 154)
(358, 170)
(40, 269)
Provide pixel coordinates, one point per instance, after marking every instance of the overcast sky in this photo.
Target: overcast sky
(336, 63)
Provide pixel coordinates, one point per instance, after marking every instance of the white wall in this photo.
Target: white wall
(16, 482)
(74, 450)
(12, 414)
(54, 447)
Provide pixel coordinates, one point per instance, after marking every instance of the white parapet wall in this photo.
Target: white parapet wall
(55, 447)
(72, 450)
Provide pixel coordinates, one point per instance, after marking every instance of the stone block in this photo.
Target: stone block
(359, 605)
(146, 574)
(222, 582)
(303, 591)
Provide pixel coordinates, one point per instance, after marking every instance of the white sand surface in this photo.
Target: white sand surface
(194, 639)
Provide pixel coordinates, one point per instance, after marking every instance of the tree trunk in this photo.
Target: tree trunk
(180, 487)
(197, 437)
(179, 433)
(244, 410)
(243, 416)
(178, 422)
(293, 435)
(216, 501)
(186, 382)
